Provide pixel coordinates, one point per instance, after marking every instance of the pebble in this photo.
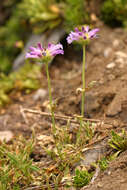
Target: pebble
(115, 43)
(107, 52)
(111, 65)
(91, 155)
(121, 54)
(114, 107)
(6, 135)
(40, 94)
(121, 62)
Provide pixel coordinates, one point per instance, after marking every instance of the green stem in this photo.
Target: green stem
(50, 98)
(83, 83)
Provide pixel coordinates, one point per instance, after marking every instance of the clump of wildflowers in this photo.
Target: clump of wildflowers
(83, 37)
(45, 55)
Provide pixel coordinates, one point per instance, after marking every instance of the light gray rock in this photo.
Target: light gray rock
(94, 153)
(40, 94)
(6, 135)
(54, 37)
(114, 107)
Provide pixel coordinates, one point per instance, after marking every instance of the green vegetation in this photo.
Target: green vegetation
(26, 79)
(78, 16)
(31, 16)
(119, 144)
(103, 163)
(41, 15)
(118, 141)
(82, 178)
(19, 171)
(16, 166)
(114, 12)
(12, 32)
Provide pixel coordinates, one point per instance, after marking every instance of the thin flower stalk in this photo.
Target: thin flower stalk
(83, 37)
(45, 55)
(50, 99)
(83, 82)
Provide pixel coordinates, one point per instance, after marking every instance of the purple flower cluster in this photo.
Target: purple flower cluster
(45, 54)
(82, 36)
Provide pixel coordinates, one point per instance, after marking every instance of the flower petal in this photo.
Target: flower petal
(28, 55)
(39, 46)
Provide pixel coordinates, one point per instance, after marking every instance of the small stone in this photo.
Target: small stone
(121, 62)
(99, 185)
(92, 155)
(109, 172)
(107, 52)
(115, 43)
(111, 65)
(93, 17)
(6, 135)
(40, 94)
(114, 107)
(120, 54)
(45, 140)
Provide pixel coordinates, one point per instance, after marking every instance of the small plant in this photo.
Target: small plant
(25, 79)
(83, 37)
(45, 56)
(118, 141)
(78, 16)
(82, 178)
(41, 15)
(85, 133)
(114, 12)
(16, 168)
(103, 163)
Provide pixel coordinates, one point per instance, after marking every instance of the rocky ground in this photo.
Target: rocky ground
(106, 100)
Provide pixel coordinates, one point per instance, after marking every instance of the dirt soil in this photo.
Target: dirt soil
(106, 100)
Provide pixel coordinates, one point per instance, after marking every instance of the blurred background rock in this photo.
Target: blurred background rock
(25, 22)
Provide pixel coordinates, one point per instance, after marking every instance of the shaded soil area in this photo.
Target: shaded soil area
(106, 100)
(114, 177)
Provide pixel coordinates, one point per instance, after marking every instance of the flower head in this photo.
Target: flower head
(45, 54)
(83, 36)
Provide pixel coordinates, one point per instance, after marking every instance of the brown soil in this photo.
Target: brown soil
(114, 177)
(106, 100)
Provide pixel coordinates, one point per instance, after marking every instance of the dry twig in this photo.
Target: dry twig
(64, 118)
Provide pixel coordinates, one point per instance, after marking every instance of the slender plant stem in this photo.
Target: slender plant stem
(83, 82)
(50, 98)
